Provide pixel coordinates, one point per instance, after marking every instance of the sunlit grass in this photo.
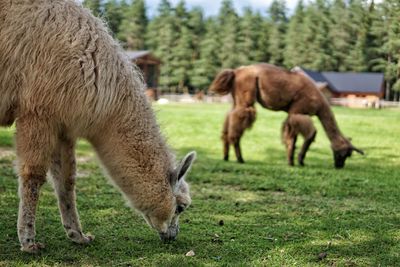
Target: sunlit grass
(261, 213)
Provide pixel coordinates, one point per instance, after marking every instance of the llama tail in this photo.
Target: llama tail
(224, 82)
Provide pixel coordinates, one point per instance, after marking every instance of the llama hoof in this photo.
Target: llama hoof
(291, 164)
(226, 158)
(241, 161)
(79, 237)
(301, 163)
(32, 247)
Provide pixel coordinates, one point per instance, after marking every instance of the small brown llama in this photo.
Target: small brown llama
(279, 90)
(236, 122)
(294, 125)
(63, 77)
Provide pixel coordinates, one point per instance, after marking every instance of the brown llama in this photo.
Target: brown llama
(236, 122)
(63, 77)
(279, 90)
(294, 125)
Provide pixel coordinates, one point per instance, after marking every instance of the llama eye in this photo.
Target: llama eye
(180, 209)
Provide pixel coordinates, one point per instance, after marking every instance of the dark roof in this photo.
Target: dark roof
(132, 55)
(362, 82)
(355, 82)
(316, 76)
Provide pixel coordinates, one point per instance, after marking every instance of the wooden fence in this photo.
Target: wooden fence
(353, 103)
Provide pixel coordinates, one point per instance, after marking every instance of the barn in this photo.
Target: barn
(150, 66)
(353, 88)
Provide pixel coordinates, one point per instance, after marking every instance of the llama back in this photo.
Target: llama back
(58, 60)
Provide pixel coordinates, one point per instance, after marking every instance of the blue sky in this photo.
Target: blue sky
(211, 7)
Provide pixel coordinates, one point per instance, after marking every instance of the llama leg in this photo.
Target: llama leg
(226, 150)
(238, 152)
(291, 147)
(225, 138)
(235, 131)
(235, 134)
(63, 170)
(34, 143)
(305, 147)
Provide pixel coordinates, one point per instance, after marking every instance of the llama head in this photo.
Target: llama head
(166, 218)
(340, 155)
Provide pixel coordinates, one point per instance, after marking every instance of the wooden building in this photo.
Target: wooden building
(361, 88)
(150, 66)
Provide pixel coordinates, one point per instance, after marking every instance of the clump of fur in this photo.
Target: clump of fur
(63, 77)
(294, 125)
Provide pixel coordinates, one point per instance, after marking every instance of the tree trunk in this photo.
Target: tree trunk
(387, 93)
(389, 60)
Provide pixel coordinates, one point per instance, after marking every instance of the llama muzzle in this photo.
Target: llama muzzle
(170, 235)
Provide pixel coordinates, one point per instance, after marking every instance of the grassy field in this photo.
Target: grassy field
(262, 213)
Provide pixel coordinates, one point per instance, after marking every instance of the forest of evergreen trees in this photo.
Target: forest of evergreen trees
(324, 35)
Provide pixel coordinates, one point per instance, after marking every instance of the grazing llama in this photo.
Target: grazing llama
(294, 125)
(280, 90)
(63, 77)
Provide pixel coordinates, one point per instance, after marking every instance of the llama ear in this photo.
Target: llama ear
(357, 150)
(183, 168)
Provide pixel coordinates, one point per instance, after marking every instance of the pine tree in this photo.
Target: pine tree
(264, 32)
(358, 21)
(161, 38)
(386, 33)
(278, 20)
(207, 65)
(318, 55)
(392, 12)
(197, 28)
(113, 14)
(94, 5)
(133, 26)
(228, 29)
(166, 39)
(340, 35)
(248, 37)
(372, 45)
(294, 39)
(183, 49)
(164, 13)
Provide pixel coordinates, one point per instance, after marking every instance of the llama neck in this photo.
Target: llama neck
(330, 126)
(137, 158)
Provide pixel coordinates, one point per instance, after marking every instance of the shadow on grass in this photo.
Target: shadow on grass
(266, 208)
(369, 239)
(350, 200)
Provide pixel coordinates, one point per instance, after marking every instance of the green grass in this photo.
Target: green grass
(273, 214)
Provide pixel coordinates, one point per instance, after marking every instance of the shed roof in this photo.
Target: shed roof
(316, 76)
(355, 82)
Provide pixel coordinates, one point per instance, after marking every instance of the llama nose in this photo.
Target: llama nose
(170, 235)
(339, 165)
